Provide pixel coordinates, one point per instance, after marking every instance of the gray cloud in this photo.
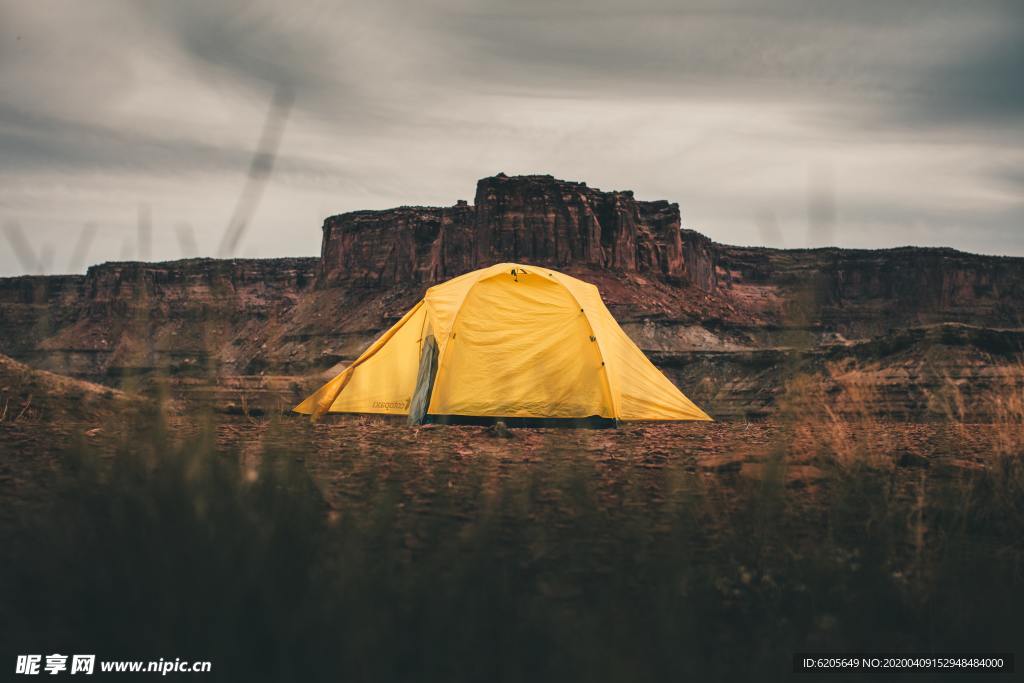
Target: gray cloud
(38, 142)
(916, 61)
(982, 85)
(722, 106)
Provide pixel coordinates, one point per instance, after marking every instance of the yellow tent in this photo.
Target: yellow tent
(508, 341)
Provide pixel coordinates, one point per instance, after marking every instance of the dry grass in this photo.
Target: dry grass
(837, 417)
(363, 547)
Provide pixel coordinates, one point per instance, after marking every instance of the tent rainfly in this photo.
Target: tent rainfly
(509, 341)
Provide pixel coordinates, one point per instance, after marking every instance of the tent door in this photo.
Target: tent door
(424, 380)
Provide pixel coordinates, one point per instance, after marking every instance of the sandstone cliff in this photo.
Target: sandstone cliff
(730, 324)
(529, 219)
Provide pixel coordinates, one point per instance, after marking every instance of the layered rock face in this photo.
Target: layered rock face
(410, 244)
(859, 293)
(611, 236)
(128, 318)
(538, 219)
(530, 219)
(33, 307)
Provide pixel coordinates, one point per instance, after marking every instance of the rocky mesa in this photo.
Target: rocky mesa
(732, 325)
(533, 219)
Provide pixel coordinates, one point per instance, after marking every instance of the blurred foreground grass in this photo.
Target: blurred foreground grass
(428, 566)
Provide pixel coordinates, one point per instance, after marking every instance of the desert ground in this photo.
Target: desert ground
(361, 544)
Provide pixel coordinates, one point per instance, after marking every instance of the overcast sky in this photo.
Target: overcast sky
(780, 122)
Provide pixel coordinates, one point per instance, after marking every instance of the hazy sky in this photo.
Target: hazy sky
(881, 123)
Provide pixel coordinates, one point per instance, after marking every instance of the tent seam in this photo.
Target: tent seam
(442, 354)
(600, 349)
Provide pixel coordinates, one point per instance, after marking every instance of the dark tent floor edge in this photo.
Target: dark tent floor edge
(592, 422)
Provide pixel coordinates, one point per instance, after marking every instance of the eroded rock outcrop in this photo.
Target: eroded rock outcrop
(531, 219)
(128, 318)
(860, 293)
(732, 325)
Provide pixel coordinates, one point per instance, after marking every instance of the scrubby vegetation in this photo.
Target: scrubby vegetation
(372, 552)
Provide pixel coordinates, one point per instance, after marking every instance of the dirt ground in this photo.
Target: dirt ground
(338, 451)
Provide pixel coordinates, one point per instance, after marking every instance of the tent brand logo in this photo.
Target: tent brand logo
(392, 405)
